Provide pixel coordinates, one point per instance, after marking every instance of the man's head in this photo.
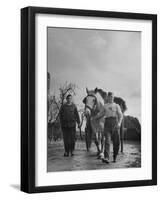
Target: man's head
(69, 98)
(110, 97)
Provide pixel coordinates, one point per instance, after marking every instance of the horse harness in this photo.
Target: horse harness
(93, 110)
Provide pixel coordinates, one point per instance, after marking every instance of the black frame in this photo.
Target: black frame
(28, 98)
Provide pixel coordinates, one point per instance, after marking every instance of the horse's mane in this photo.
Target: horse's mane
(99, 99)
(117, 100)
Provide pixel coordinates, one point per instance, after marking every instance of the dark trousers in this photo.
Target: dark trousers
(111, 132)
(69, 138)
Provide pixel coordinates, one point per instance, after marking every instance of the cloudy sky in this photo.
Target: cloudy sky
(106, 59)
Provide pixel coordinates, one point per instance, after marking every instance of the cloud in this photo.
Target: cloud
(98, 42)
(110, 60)
(135, 93)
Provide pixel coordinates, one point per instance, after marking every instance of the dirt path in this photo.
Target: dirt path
(83, 160)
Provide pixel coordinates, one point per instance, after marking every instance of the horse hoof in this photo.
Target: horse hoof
(100, 156)
(105, 160)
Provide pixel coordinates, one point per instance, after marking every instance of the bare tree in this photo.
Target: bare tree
(67, 88)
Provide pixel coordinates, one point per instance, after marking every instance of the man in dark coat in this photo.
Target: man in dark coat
(68, 118)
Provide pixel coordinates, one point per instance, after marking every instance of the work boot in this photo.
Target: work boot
(66, 154)
(114, 158)
(105, 160)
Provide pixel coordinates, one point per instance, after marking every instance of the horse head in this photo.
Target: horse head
(90, 100)
(93, 103)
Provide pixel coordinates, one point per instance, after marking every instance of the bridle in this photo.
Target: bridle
(95, 102)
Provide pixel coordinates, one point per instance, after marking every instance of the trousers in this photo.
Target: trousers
(111, 132)
(69, 138)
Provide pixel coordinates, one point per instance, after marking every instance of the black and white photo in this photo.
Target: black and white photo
(100, 66)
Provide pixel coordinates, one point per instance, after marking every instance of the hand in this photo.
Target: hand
(118, 126)
(79, 125)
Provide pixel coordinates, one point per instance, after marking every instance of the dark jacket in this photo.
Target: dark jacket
(69, 116)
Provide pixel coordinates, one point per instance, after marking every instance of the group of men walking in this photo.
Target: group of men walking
(113, 117)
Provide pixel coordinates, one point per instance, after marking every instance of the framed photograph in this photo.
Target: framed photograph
(88, 99)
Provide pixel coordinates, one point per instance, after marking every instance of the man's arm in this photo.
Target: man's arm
(77, 116)
(120, 115)
(100, 114)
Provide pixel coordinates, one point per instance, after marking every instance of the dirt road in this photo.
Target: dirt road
(83, 160)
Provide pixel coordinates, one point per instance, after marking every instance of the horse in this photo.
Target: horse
(93, 105)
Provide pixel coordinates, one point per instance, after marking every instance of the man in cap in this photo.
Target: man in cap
(68, 118)
(113, 118)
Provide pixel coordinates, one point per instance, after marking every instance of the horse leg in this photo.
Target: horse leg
(102, 145)
(101, 141)
(122, 146)
(86, 139)
(97, 142)
(122, 136)
(95, 133)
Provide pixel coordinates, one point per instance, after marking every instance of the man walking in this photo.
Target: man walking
(68, 118)
(113, 118)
